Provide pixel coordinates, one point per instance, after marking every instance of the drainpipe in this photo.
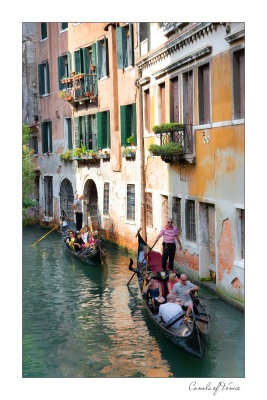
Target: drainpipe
(142, 160)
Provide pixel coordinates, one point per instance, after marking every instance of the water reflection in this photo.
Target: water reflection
(81, 321)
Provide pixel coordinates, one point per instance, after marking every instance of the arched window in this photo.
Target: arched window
(66, 198)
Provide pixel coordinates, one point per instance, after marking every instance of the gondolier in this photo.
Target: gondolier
(169, 234)
(79, 212)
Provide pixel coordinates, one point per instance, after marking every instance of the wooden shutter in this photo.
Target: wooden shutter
(206, 93)
(101, 130)
(108, 128)
(93, 47)
(44, 137)
(82, 130)
(77, 62)
(134, 123)
(125, 113)
(69, 63)
(99, 58)
(106, 71)
(50, 137)
(69, 124)
(60, 72)
(41, 79)
(131, 52)
(77, 132)
(163, 103)
(174, 101)
(47, 77)
(242, 82)
(43, 30)
(121, 42)
(86, 60)
(86, 128)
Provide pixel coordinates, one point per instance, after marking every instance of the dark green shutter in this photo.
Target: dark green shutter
(99, 58)
(47, 77)
(119, 34)
(86, 126)
(86, 60)
(69, 63)
(44, 137)
(60, 74)
(41, 79)
(82, 129)
(108, 128)
(93, 47)
(106, 56)
(123, 125)
(128, 122)
(50, 137)
(64, 25)
(77, 132)
(134, 122)
(81, 60)
(43, 30)
(77, 62)
(94, 62)
(101, 130)
(69, 133)
(131, 47)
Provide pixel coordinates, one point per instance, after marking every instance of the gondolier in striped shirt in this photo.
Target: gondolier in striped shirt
(169, 234)
(79, 212)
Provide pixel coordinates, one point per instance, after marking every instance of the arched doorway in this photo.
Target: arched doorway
(91, 208)
(66, 198)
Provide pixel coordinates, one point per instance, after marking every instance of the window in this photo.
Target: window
(64, 68)
(102, 58)
(34, 144)
(43, 78)
(188, 97)
(162, 104)
(174, 100)
(68, 133)
(48, 194)
(106, 199)
(64, 25)
(190, 220)
(84, 61)
(66, 198)
(128, 123)
(239, 83)
(176, 213)
(241, 233)
(124, 41)
(164, 210)
(47, 137)
(204, 94)
(103, 129)
(130, 202)
(85, 131)
(43, 30)
(147, 110)
(149, 210)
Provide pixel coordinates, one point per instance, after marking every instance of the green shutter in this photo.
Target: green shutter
(131, 47)
(77, 132)
(60, 74)
(41, 79)
(86, 60)
(50, 137)
(119, 34)
(128, 122)
(43, 30)
(93, 47)
(64, 25)
(134, 122)
(69, 63)
(77, 62)
(101, 130)
(123, 125)
(47, 77)
(86, 127)
(106, 56)
(99, 58)
(82, 129)
(44, 137)
(108, 128)
(69, 134)
(81, 60)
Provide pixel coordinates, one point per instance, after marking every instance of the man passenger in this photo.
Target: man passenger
(182, 291)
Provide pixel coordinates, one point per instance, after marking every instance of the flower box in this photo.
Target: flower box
(104, 156)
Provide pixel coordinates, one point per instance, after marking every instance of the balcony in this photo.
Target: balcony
(80, 88)
(176, 143)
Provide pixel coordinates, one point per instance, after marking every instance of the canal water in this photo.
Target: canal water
(81, 321)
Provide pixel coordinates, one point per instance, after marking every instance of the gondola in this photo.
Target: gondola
(90, 256)
(192, 333)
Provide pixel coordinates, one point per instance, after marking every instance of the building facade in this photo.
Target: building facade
(193, 74)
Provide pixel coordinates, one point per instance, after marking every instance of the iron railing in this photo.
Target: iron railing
(184, 137)
(81, 88)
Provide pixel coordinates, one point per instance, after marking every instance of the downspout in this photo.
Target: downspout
(142, 159)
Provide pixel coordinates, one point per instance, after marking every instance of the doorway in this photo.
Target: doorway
(207, 251)
(90, 215)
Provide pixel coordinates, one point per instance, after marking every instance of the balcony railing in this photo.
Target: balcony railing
(80, 87)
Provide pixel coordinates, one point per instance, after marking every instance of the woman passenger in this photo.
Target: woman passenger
(153, 288)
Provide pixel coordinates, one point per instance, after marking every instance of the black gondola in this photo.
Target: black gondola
(92, 256)
(192, 334)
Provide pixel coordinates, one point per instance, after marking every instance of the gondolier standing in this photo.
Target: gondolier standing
(79, 212)
(169, 234)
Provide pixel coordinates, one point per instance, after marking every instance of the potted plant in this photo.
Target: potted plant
(130, 140)
(128, 152)
(92, 67)
(165, 128)
(72, 73)
(69, 98)
(67, 156)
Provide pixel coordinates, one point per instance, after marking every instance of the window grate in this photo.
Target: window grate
(106, 199)
(176, 213)
(131, 202)
(190, 220)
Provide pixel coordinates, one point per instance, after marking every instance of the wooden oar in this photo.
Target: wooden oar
(142, 260)
(49, 232)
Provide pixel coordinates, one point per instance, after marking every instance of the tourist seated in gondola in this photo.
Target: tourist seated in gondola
(71, 239)
(173, 279)
(84, 235)
(153, 289)
(78, 242)
(170, 309)
(182, 291)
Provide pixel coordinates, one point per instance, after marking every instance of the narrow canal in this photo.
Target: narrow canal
(81, 321)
